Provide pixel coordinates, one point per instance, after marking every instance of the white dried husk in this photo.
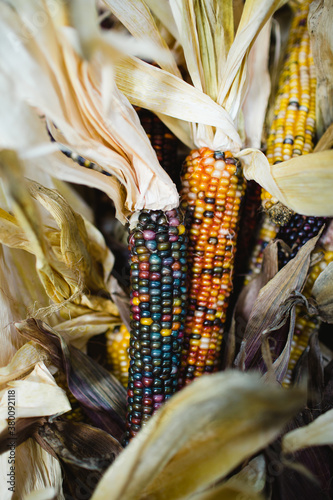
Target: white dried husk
(84, 108)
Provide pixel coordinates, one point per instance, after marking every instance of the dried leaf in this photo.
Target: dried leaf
(320, 24)
(140, 23)
(23, 361)
(80, 98)
(35, 395)
(255, 103)
(246, 300)
(326, 140)
(78, 331)
(249, 484)
(268, 307)
(317, 433)
(322, 292)
(24, 429)
(184, 448)
(84, 452)
(100, 394)
(45, 494)
(304, 183)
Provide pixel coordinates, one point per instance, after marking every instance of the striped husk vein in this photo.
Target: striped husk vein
(213, 187)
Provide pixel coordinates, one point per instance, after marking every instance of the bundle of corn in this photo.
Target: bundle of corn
(117, 345)
(204, 116)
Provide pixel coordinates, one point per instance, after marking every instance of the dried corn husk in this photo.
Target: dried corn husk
(185, 446)
(80, 98)
(220, 66)
(322, 292)
(317, 433)
(44, 494)
(216, 62)
(249, 484)
(72, 260)
(303, 184)
(100, 393)
(37, 395)
(320, 30)
(273, 307)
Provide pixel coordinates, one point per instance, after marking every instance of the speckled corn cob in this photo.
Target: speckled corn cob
(213, 187)
(292, 130)
(291, 134)
(306, 324)
(158, 294)
(117, 344)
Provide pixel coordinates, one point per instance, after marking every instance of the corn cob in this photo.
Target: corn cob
(306, 324)
(158, 294)
(297, 232)
(213, 187)
(293, 126)
(117, 345)
(247, 231)
(292, 131)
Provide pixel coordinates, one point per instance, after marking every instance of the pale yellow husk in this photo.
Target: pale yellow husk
(318, 433)
(304, 183)
(37, 394)
(248, 484)
(184, 448)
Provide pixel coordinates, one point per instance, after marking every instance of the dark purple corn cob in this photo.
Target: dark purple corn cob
(157, 247)
(297, 232)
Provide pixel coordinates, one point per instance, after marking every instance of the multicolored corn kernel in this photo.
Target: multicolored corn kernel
(117, 345)
(293, 127)
(306, 324)
(158, 300)
(213, 187)
(292, 132)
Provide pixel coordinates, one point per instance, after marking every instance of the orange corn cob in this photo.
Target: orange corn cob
(213, 187)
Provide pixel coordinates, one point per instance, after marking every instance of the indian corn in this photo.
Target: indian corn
(213, 187)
